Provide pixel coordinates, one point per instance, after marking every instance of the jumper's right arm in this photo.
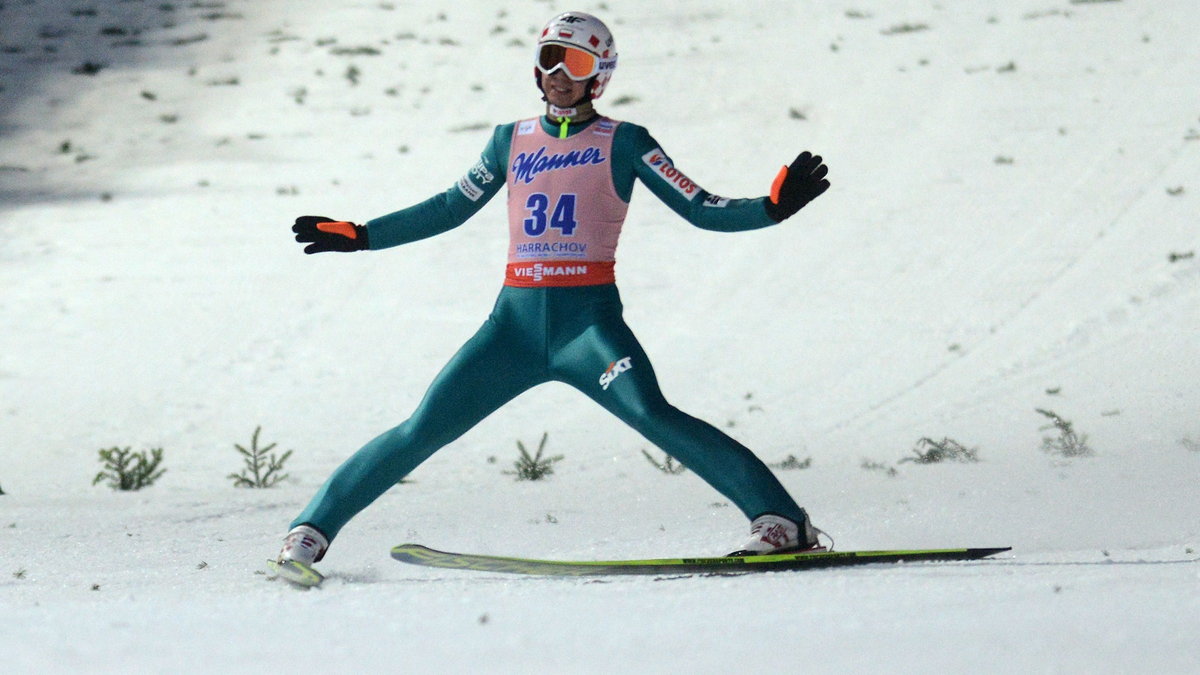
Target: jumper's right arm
(440, 213)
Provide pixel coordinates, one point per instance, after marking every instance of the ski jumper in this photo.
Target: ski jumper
(558, 316)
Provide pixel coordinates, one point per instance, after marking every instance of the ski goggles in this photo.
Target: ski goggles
(575, 63)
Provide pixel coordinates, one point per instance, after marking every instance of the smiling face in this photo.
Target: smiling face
(561, 90)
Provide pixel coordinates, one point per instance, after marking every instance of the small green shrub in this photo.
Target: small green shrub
(1068, 443)
(792, 463)
(534, 467)
(127, 470)
(263, 468)
(668, 466)
(929, 451)
(902, 28)
(871, 465)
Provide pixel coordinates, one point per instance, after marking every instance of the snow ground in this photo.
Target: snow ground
(1012, 226)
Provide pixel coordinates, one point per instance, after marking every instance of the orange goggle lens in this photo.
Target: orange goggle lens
(576, 63)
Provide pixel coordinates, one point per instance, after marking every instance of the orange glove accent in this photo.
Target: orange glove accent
(779, 178)
(340, 227)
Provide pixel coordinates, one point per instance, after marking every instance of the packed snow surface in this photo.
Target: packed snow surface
(1012, 227)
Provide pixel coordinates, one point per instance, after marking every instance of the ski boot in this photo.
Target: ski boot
(771, 534)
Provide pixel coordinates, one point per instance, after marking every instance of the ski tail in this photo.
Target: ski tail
(296, 572)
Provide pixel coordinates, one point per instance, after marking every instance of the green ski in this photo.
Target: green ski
(420, 555)
(296, 572)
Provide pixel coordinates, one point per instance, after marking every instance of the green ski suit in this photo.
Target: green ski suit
(571, 334)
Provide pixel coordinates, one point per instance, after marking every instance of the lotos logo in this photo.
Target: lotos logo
(656, 159)
(614, 369)
(527, 166)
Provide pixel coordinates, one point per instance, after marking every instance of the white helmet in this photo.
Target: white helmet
(577, 30)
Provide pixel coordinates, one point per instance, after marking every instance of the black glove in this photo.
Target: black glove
(327, 234)
(796, 185)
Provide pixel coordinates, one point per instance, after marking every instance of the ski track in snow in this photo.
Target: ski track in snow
(1043, 293)
(1012, 226)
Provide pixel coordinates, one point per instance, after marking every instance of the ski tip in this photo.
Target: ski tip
(403, 551)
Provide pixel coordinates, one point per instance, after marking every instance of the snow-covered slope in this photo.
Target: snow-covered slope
(1012, 227)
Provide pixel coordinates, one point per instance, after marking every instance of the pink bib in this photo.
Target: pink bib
(564, 215)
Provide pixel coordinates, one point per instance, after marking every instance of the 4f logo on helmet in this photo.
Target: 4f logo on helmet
(571, 18)
(614, 369)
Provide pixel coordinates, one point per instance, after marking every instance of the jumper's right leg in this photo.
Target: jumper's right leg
(485, 374)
